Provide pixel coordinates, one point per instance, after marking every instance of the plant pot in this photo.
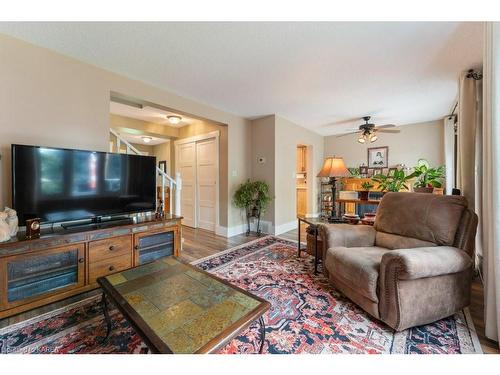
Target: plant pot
(423, 190)
(255, 212)
(363, 195)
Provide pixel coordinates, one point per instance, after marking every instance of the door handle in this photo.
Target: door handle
(112, 247)
(81, 260)
(111, 268)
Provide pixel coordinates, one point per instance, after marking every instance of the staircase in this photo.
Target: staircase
(175, 185)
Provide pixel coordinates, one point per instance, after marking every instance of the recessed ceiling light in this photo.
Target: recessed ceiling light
(174, 120)
(146, 139)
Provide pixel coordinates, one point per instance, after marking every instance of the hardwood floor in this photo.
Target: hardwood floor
(200, 243)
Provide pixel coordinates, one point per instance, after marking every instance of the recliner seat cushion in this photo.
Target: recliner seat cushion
(427, 217)
(356, 266)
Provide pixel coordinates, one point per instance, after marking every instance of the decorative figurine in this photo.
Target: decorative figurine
(4, 228)
(12, 220)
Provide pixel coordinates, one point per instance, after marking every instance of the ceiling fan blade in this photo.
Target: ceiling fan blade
(388, 131)
(343, 135)
(342, 122)
(385, 126)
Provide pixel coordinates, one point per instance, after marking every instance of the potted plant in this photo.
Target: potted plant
(354, 171)
(427, 178)
(394, 182)
(363, 194)
(254, 197)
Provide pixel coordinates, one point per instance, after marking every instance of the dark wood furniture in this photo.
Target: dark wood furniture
(178, 308)
(312, 229)
(62, 263)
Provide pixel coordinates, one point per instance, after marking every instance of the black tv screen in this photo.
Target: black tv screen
(60, 185)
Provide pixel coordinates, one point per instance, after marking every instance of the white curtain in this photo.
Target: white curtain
(490, 208)
(467, 128)
(449, 152)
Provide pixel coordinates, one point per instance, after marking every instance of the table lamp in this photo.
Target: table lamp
(333, 167)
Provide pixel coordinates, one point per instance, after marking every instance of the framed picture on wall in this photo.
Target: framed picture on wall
(162, 164)
(385, 171)
(378, 157)
(363, 170)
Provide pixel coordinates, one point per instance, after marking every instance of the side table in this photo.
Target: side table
(313, 227)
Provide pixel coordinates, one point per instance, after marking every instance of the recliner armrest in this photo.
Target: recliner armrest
(346, 235)
(423, 262)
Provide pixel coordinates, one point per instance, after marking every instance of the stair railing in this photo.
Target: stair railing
(175, 185)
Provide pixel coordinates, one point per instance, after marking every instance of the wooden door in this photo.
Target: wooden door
(186, 165)
(301, 201)
(207, 176)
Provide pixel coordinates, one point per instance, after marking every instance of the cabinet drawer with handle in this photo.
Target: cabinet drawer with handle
(110, 248)
(109, 266)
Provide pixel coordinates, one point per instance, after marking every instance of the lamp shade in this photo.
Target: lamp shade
(334, 167)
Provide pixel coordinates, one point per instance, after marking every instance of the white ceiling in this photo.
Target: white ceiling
(314, 74)
(138, 139)
(148, 114)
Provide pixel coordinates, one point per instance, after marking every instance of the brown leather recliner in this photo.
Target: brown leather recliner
(413, 267)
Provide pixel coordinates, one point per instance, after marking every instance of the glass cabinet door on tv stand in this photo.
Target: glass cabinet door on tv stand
(32, 276)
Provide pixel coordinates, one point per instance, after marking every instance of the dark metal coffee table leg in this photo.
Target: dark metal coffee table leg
(262, 334)
(104, 303)
(298, 243)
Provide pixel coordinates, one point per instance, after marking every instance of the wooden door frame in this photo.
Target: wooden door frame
(197, 138)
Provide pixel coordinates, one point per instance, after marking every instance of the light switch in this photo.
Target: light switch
(234, 173)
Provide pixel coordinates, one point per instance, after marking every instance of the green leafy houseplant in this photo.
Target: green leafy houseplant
(364, 193)
(394, 182)
(428, 178)
(366, 185)
(354, 172)
(254, 197)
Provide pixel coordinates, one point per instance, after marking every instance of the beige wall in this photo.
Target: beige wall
(276, 139)
(422, 140)
(52, 100)
(263, 146)
(163, 152)
(288, 136)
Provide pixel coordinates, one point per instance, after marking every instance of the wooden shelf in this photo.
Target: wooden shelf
(359, 201)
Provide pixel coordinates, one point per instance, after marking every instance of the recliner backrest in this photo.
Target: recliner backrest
(427, 218)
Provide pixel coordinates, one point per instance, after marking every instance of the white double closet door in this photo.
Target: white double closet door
(198, 163)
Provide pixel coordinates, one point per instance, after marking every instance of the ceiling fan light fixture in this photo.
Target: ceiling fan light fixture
(361, 139)
(373, 138)
(174, 119)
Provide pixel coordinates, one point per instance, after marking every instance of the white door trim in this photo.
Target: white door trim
(202, 137)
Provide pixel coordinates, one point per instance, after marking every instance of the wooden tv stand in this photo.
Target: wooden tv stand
(62, 263)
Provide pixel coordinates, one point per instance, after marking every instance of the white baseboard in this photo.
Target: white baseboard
(265, 227)
(231, 231)
(282, 228)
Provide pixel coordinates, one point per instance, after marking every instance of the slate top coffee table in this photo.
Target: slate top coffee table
(178, 308)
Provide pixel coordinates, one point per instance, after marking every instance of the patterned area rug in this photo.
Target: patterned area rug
(307, 315)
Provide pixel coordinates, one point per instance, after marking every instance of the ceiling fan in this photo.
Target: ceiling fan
(368, 131)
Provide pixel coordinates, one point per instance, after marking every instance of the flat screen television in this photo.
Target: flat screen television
(61, 185)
